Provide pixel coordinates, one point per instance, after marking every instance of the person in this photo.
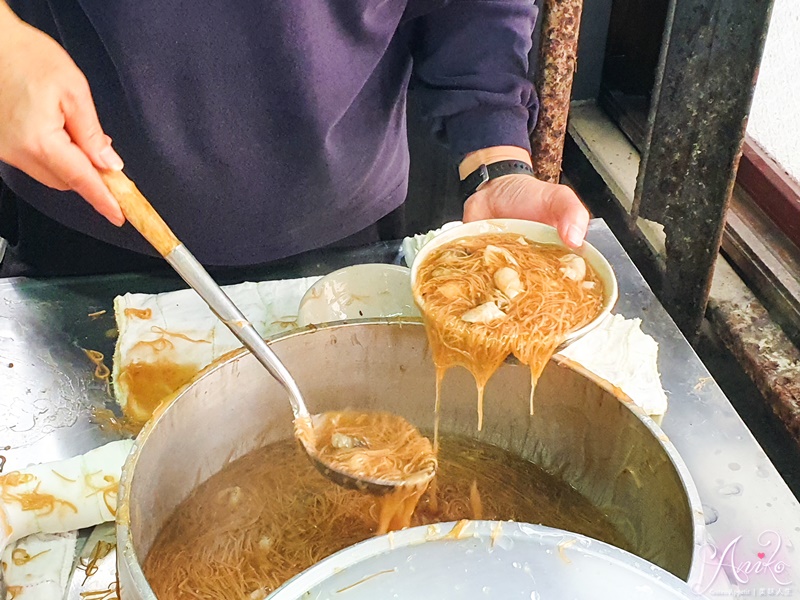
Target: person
(258, 130)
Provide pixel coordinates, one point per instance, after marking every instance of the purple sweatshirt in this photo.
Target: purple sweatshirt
(262, 129)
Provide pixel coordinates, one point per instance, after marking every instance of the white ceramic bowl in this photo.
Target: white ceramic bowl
(359, 291)
(536, 232)
(487, 561)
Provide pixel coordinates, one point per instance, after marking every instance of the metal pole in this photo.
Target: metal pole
(704, 87)
(558, 52)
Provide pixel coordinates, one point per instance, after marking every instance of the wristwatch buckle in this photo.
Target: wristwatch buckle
(483, 173)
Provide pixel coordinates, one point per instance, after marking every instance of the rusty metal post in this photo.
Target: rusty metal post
(704, 88)
(558, 51)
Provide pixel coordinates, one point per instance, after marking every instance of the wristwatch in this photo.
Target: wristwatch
(472, 182)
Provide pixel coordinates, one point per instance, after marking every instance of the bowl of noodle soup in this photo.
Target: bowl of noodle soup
(534, 232)
(493, 289)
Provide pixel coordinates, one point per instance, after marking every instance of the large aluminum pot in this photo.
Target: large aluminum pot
(583, 429)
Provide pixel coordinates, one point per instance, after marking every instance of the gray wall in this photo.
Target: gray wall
(591, 48)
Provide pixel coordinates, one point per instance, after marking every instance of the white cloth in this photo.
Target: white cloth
(622, 354)
(46, 575)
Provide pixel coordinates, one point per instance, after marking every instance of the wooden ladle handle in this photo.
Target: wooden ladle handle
(140, 212)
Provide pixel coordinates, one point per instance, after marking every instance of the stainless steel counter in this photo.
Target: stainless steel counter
(47, 392)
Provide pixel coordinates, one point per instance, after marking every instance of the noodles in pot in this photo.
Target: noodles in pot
(269, 515)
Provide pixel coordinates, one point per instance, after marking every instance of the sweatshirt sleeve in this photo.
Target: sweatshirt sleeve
(470, 73)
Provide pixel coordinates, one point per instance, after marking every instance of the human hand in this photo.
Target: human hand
(48, 123)
(525, 197)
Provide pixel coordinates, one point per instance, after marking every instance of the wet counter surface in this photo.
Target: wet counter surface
(48, 392)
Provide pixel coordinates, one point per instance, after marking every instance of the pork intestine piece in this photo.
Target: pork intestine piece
(508, 281)
(574, 267)
(340, 440)
(494, 256)
(483, 313)
(451, 290)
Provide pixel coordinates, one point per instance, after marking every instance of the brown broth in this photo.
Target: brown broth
(269, 515)
(149, 383)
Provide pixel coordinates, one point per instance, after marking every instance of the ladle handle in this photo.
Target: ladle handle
(140, 212)
(198, 278)
(149, 223)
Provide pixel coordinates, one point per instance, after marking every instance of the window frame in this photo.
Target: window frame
(770, 188)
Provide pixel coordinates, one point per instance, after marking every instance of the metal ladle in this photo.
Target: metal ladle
(149, 223)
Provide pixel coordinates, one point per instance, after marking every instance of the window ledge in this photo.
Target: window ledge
(616, 160)
(758, 343)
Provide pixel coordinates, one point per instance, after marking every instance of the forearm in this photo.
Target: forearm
(471, 77)
(486, 156)
(7, 16)
(48, 123)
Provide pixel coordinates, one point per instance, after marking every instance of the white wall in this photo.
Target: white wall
(775, 117)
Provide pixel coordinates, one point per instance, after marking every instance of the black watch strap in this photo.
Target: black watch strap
(484, 173)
